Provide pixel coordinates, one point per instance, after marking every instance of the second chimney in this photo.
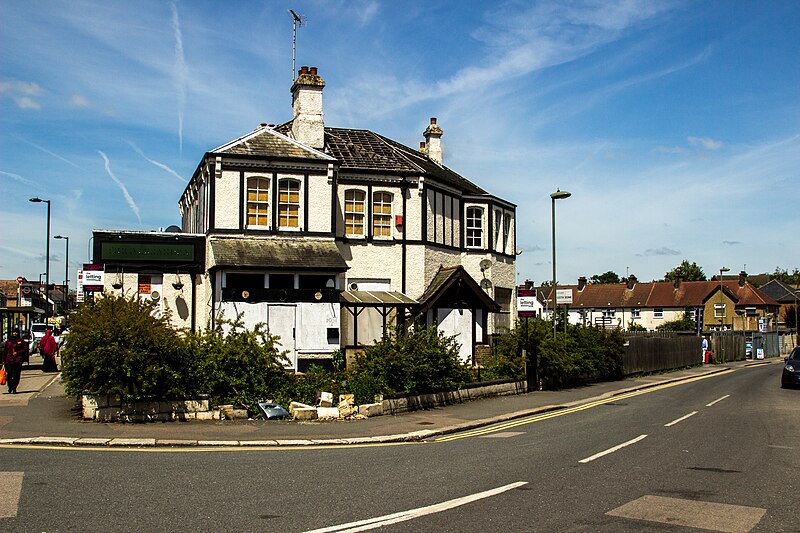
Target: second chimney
(678, 280)
(581, 283)
(742, 278)
(631, 282)
(433, 141)
(308, 126)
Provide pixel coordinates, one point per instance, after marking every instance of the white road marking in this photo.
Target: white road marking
(681, 419)
(372, 523)
(612, 450)
(718, 400)
(10, 490)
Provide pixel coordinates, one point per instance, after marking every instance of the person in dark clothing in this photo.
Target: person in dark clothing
(15, 353)
(49, 347)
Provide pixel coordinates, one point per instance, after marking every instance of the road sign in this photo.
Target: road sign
(563, 296)
(20, 279)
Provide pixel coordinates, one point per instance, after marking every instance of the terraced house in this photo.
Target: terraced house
(329, 235)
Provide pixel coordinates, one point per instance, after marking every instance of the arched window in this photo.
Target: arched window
(382, 214)
(354, 202)
(289, 203)
(257, 202)
(474, 227)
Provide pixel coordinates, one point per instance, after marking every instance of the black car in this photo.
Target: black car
(791, 370)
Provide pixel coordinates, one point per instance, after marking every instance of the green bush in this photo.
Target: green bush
(118, 346)
(685, 323)
(421, 360)
(236, 365)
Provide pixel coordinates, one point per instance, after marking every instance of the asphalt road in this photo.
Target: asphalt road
(718, 453)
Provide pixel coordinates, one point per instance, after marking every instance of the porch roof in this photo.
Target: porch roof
(377, 299)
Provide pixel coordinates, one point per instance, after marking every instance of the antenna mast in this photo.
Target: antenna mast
(297, 20)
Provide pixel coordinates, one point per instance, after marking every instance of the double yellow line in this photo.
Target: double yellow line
(565, 411)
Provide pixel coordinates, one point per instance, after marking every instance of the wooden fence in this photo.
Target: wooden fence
(656, 352)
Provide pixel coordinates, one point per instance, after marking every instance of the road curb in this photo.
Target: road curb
(414, 436)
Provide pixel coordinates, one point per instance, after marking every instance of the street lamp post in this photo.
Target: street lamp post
(558, 195)
(66, 272)
(724, 312)
(38, 200)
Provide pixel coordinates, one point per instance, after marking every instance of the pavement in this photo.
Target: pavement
(41, 414)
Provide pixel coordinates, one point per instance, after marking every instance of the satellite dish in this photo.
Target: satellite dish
(486, 284)
(485, 265)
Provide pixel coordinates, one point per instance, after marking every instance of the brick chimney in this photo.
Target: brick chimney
(528, 284)
(308, 126)
(581, 283)
(631, 282)
(742, 278)
(678, 280)
(433, 141)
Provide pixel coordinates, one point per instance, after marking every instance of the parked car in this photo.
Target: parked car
(791, 370)
(37, 332)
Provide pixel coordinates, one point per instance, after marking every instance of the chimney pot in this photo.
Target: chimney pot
(678, 280)
(263, 124)
(271, 125)
(433, 120)
(313, 71)
(631, 281)
(303, 70)
(528, 284)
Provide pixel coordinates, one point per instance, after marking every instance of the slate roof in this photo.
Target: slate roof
(366, 150)
(659, 294)
(266, 141)
(780, 292)
(359, 150)
(286, 254)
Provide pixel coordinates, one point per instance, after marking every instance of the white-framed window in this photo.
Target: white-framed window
(498, 226)
(609, 313)
(658, 312)
(507, 232)
(257, 202)
(354, 203)
(636, 313)
(750, 311)
(288, 203)
(381, 214)
(474, 227)
(719, 311)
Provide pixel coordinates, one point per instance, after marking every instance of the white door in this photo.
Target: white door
(281, 321)
(252, 314)
(458, 322)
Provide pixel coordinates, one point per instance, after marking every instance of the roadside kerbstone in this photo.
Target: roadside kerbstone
(132, 442)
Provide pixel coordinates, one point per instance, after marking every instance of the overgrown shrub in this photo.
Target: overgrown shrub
(685, 323)
(420, 360)
(117, 345)
(237, 365)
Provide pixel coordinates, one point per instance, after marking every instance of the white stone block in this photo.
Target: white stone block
(298, 405)
(371, 409)
(327, 412)
(325, 399)
(305, 413)
(349, 399)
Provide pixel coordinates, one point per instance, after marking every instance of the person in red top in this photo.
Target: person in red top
(49, 347)
(15, 353)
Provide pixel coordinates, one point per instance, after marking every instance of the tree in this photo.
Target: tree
(784, 276)
(685, 323)
(605, 278)
(687, 271)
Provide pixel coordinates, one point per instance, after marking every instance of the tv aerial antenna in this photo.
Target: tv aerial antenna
(297, 20)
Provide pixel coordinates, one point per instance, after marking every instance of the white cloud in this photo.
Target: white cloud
(704, 142)
(77, 100)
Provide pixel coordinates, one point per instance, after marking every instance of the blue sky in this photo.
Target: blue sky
(675, 125)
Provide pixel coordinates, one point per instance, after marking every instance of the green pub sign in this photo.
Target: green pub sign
(140, 251)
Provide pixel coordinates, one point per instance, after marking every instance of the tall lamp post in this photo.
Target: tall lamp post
(66, 272)
(722, 318)
(558, 195)
(38, 200)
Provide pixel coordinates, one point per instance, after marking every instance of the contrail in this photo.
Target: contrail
(18, 178)
(156, 163)
(180, 72)
(48, 152)
(128, 198)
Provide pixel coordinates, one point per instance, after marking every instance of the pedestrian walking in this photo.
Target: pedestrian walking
(49, 347)
(704, 345)
(16, 352)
